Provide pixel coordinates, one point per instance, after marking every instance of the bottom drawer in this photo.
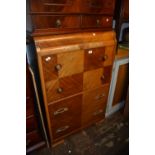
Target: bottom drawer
(33, 138)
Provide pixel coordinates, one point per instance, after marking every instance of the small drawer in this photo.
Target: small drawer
(63, 87)
(91, 21)
(98, 6)
(56, 22)
(33, 138)
(31, 124)
(65, 115)
(94, 58)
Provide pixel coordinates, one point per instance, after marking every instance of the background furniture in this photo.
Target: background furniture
(35, 138)
(68, 16)
(119, 82)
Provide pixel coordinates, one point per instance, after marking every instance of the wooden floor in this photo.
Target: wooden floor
(109, 137)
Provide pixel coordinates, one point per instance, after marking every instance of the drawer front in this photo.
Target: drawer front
(64, 87)
(31, 124)
(63, 6)
(90, 21)
(65, 115)
(98, 6)
(96, 78)
(55, 22)
(94, 104)
(33, 138)
(62, 65)
(94, 58)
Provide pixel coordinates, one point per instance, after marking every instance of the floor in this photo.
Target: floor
(108, 137)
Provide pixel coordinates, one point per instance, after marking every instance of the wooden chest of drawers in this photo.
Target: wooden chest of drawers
(65, 16)
(75, 71)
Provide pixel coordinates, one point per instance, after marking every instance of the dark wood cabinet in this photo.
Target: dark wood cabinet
(34, 134)
(65, 16)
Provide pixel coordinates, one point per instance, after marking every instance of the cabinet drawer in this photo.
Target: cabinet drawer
(65, 115)
(63, 6)
(90, 21)
(33, 138)
(31, 124)
(94, 58)
(62, 65)
(98, 6)
(56, 22)
(64, 87)
(94, 104)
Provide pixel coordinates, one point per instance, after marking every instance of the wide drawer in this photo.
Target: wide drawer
(91, 21)
(65, 115)
(63, 6)
(56, 21)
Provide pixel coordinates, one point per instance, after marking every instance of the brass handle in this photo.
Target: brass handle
(58, 67)
(100, 96)
(62, 129)
(58, 23)
(98, 112)
(60, 90)
(61, 110)
(97, 22)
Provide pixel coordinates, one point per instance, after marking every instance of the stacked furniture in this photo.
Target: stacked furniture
(34, 135)
(75, 46)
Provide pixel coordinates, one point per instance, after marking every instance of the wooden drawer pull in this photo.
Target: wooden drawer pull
(58, 23)
(97, 22)
(100, 96)
(58, 67)
(62, 129)
(60, 90)
(60, 111)
(97, 112)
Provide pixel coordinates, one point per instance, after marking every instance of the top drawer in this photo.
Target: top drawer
(63, 6)
(98, 6)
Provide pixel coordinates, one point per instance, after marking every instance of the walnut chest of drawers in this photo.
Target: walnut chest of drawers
(75, 71)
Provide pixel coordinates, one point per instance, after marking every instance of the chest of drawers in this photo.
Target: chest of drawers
(75, 71)
(67, 16)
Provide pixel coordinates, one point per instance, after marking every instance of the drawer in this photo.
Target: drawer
(65, 115)
(62, 6)
(98, 6)
(94, 104)
(62, 65)
(33, 138)
(94, 58)
(96, 78)
(91, 21)
(31, 124)
(56, 21)
(63, 87)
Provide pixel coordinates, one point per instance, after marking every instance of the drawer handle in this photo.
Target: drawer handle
(103, 58)
(58, 67)
(62, 129)
(59, 111)
(60, 90)
(58, 23)
(98, 112)
(97, 22)
(102, 78)
(100, 96)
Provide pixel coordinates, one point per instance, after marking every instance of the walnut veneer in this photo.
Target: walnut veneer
(75, 71)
